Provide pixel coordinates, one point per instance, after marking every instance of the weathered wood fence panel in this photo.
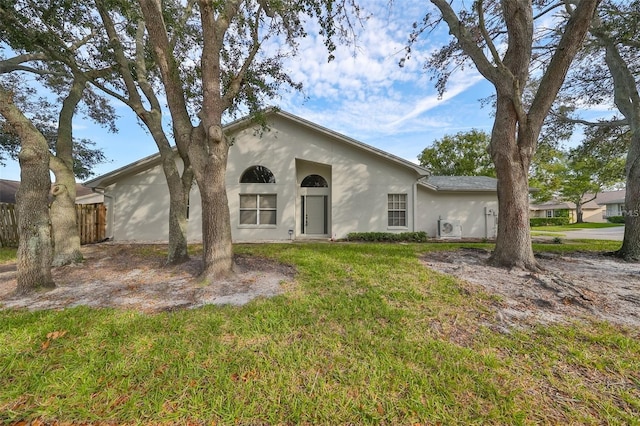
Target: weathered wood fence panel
(91, 220)
(8, 225)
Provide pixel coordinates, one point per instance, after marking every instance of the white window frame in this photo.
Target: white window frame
(257, 209)
(549, 213)
(397, 203)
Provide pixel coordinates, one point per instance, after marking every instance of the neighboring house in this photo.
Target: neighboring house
(608, 203)
(591, 212)
(298, 180)
(612, 203)
(84, 195)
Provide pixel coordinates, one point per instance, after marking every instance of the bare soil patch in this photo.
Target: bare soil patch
(123, 276)
(577, 286)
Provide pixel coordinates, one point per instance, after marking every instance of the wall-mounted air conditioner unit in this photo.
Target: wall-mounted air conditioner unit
(449, 229)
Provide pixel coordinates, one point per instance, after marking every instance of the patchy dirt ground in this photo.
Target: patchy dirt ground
(572, 287)
(576, 286)
(112, 275)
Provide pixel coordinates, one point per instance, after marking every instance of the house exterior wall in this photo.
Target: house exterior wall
(614, 209)
(359, 182)
(138, 207)
(588, 215)
(593, 215)
(474, 210)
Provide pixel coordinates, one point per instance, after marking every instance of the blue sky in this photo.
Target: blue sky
(363, 94)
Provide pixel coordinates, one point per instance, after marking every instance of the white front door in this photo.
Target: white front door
(315, 214)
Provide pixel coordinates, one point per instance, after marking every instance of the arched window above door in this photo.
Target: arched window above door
(314, 181)
(257, 174)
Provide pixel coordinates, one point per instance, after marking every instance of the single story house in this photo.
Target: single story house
(591, 211)
(607, 203)
(298, 180)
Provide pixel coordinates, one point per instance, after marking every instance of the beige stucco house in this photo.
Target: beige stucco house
(297, 181)
(591, 211)
(606, 204)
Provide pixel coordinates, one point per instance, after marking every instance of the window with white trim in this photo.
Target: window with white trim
(258, 209)
(549, 213)
(397, 209)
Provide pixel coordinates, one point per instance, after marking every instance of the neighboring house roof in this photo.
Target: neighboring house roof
(611, 197)
(603, 198)
(150, 161)
(552, 205)
(8, 189)
(461, 183)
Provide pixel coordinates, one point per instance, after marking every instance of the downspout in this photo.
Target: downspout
(110, 212)
(415, 202)
(415, 207)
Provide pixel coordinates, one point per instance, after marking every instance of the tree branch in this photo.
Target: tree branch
(485, 34)
(467, 42)
(575, 32)
(123, 64)
(141, 68)
(236, 82)
(163, 54)
(613, 123)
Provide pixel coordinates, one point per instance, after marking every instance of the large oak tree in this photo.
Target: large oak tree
(499, 38)
(42, 53)
(610, 72)
(237, 73)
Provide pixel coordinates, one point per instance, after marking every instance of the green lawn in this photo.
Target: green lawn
(367, 335)
(7, 254)
(574, 226)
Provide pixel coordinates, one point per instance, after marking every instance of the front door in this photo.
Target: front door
(314, 214)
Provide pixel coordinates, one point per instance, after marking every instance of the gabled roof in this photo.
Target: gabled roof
(150, 161)
(349, 141)
(460, 183)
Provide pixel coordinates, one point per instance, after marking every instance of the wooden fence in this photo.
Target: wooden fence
(91, 220)
(8, 225)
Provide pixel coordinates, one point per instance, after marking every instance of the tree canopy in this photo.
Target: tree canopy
(463, 154)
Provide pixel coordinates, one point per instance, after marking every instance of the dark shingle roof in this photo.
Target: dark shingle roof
(8, 189)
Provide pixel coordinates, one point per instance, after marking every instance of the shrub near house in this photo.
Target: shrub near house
(548, 221)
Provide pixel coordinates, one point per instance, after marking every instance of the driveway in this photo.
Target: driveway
(613, 233)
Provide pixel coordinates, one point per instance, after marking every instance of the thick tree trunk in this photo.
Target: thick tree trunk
(630, 249)
(579, 213)
(513, 242)
(66, 237)
(178, 204)
(216, 222)
(34, 247)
